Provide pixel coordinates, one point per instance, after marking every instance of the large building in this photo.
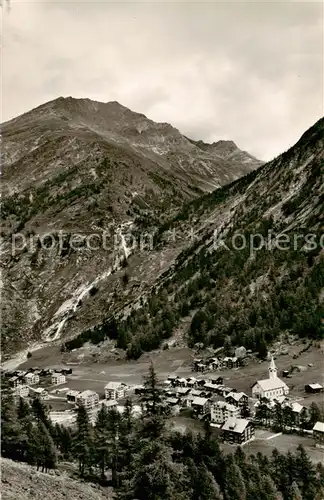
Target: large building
(89, 399)
(237, 430)
(221, 411)
(271, 387)
(115, 390)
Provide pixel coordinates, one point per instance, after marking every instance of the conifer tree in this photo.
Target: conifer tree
(102, 440)
(82, 440)
(234, 484)
(153, 408)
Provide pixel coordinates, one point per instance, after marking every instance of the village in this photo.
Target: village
(237, 417)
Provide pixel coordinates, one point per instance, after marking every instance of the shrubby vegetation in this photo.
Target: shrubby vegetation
(146, 460)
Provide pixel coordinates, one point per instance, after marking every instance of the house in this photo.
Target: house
(182, 391)
(237, 431)
(271, 387)
(181, 382)
(220, 411)
(200, 406)
(318, 433)
(39, 392)
(22, 391)
(239, 399)
(213, 364)
(31, 378)
(313, 388)
(109, 403)
(89, 399)
(15, 381)
(191, 382)
(115, 390)
(229, 362)
(173, 378)
(174, 404)
(71, 396)
(58, 378)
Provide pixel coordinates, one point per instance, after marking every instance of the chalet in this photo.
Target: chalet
(173, 378)
(89, 399)
(109, 403)
(318, 434)
(237, 431)
(229, 362)
(271, 387)
(72, 396)
(210, 387)
(58, 378)
(181, 382)
(200, 367)
(239, 399)
(313, 388)
(174, 404)
(115, 390)
(222, 411)
(22, 391)
(218, 381)
(182, 391)
(200, 406)
(191, 382)
(39, 392)
(213, 364)
(15, 381)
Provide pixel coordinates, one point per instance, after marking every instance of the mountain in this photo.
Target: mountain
(98, 170)
(244, 264)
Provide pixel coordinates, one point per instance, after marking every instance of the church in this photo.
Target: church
(271, 387)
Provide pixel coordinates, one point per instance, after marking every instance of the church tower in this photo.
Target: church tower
(272, 369)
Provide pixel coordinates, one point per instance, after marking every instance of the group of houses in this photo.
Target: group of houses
(24, 382)
(114, 391)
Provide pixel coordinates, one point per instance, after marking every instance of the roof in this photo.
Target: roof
(182, 390)
(235, 425)
(200, 401)
(87, 393)
(319, 426)
(270, 384)
(315, 386)
(236, 395)
(58, 374)
(73, 393)
(223, 404)
(297, 408)
(113, 385)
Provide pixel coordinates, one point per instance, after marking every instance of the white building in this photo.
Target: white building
(40, 392)
(22, 391)
(58, 378)
(115, 390)
(72, 396)
(89, 399)
(271, 387)
(32, 378)
(220, 411)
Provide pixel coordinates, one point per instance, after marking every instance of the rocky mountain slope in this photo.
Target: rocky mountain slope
(244, 263)
(99, 170)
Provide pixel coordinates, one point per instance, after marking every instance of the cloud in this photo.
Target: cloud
(251, 72)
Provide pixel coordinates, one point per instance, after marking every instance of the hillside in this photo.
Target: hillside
(22, 482)
(252, 268)
(100, 171)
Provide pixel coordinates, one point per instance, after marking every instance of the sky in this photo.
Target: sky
(251, 72)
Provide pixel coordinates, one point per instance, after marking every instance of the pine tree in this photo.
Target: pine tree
(12, 434)
(47, 448)
(294, 492)
(234, 483)
(82, 440)
(203, 484)
(102, 440)
(153, 409)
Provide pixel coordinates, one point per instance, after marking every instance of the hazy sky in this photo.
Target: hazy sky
(251, 72)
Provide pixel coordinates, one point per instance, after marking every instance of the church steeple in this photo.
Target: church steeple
(272, 369)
